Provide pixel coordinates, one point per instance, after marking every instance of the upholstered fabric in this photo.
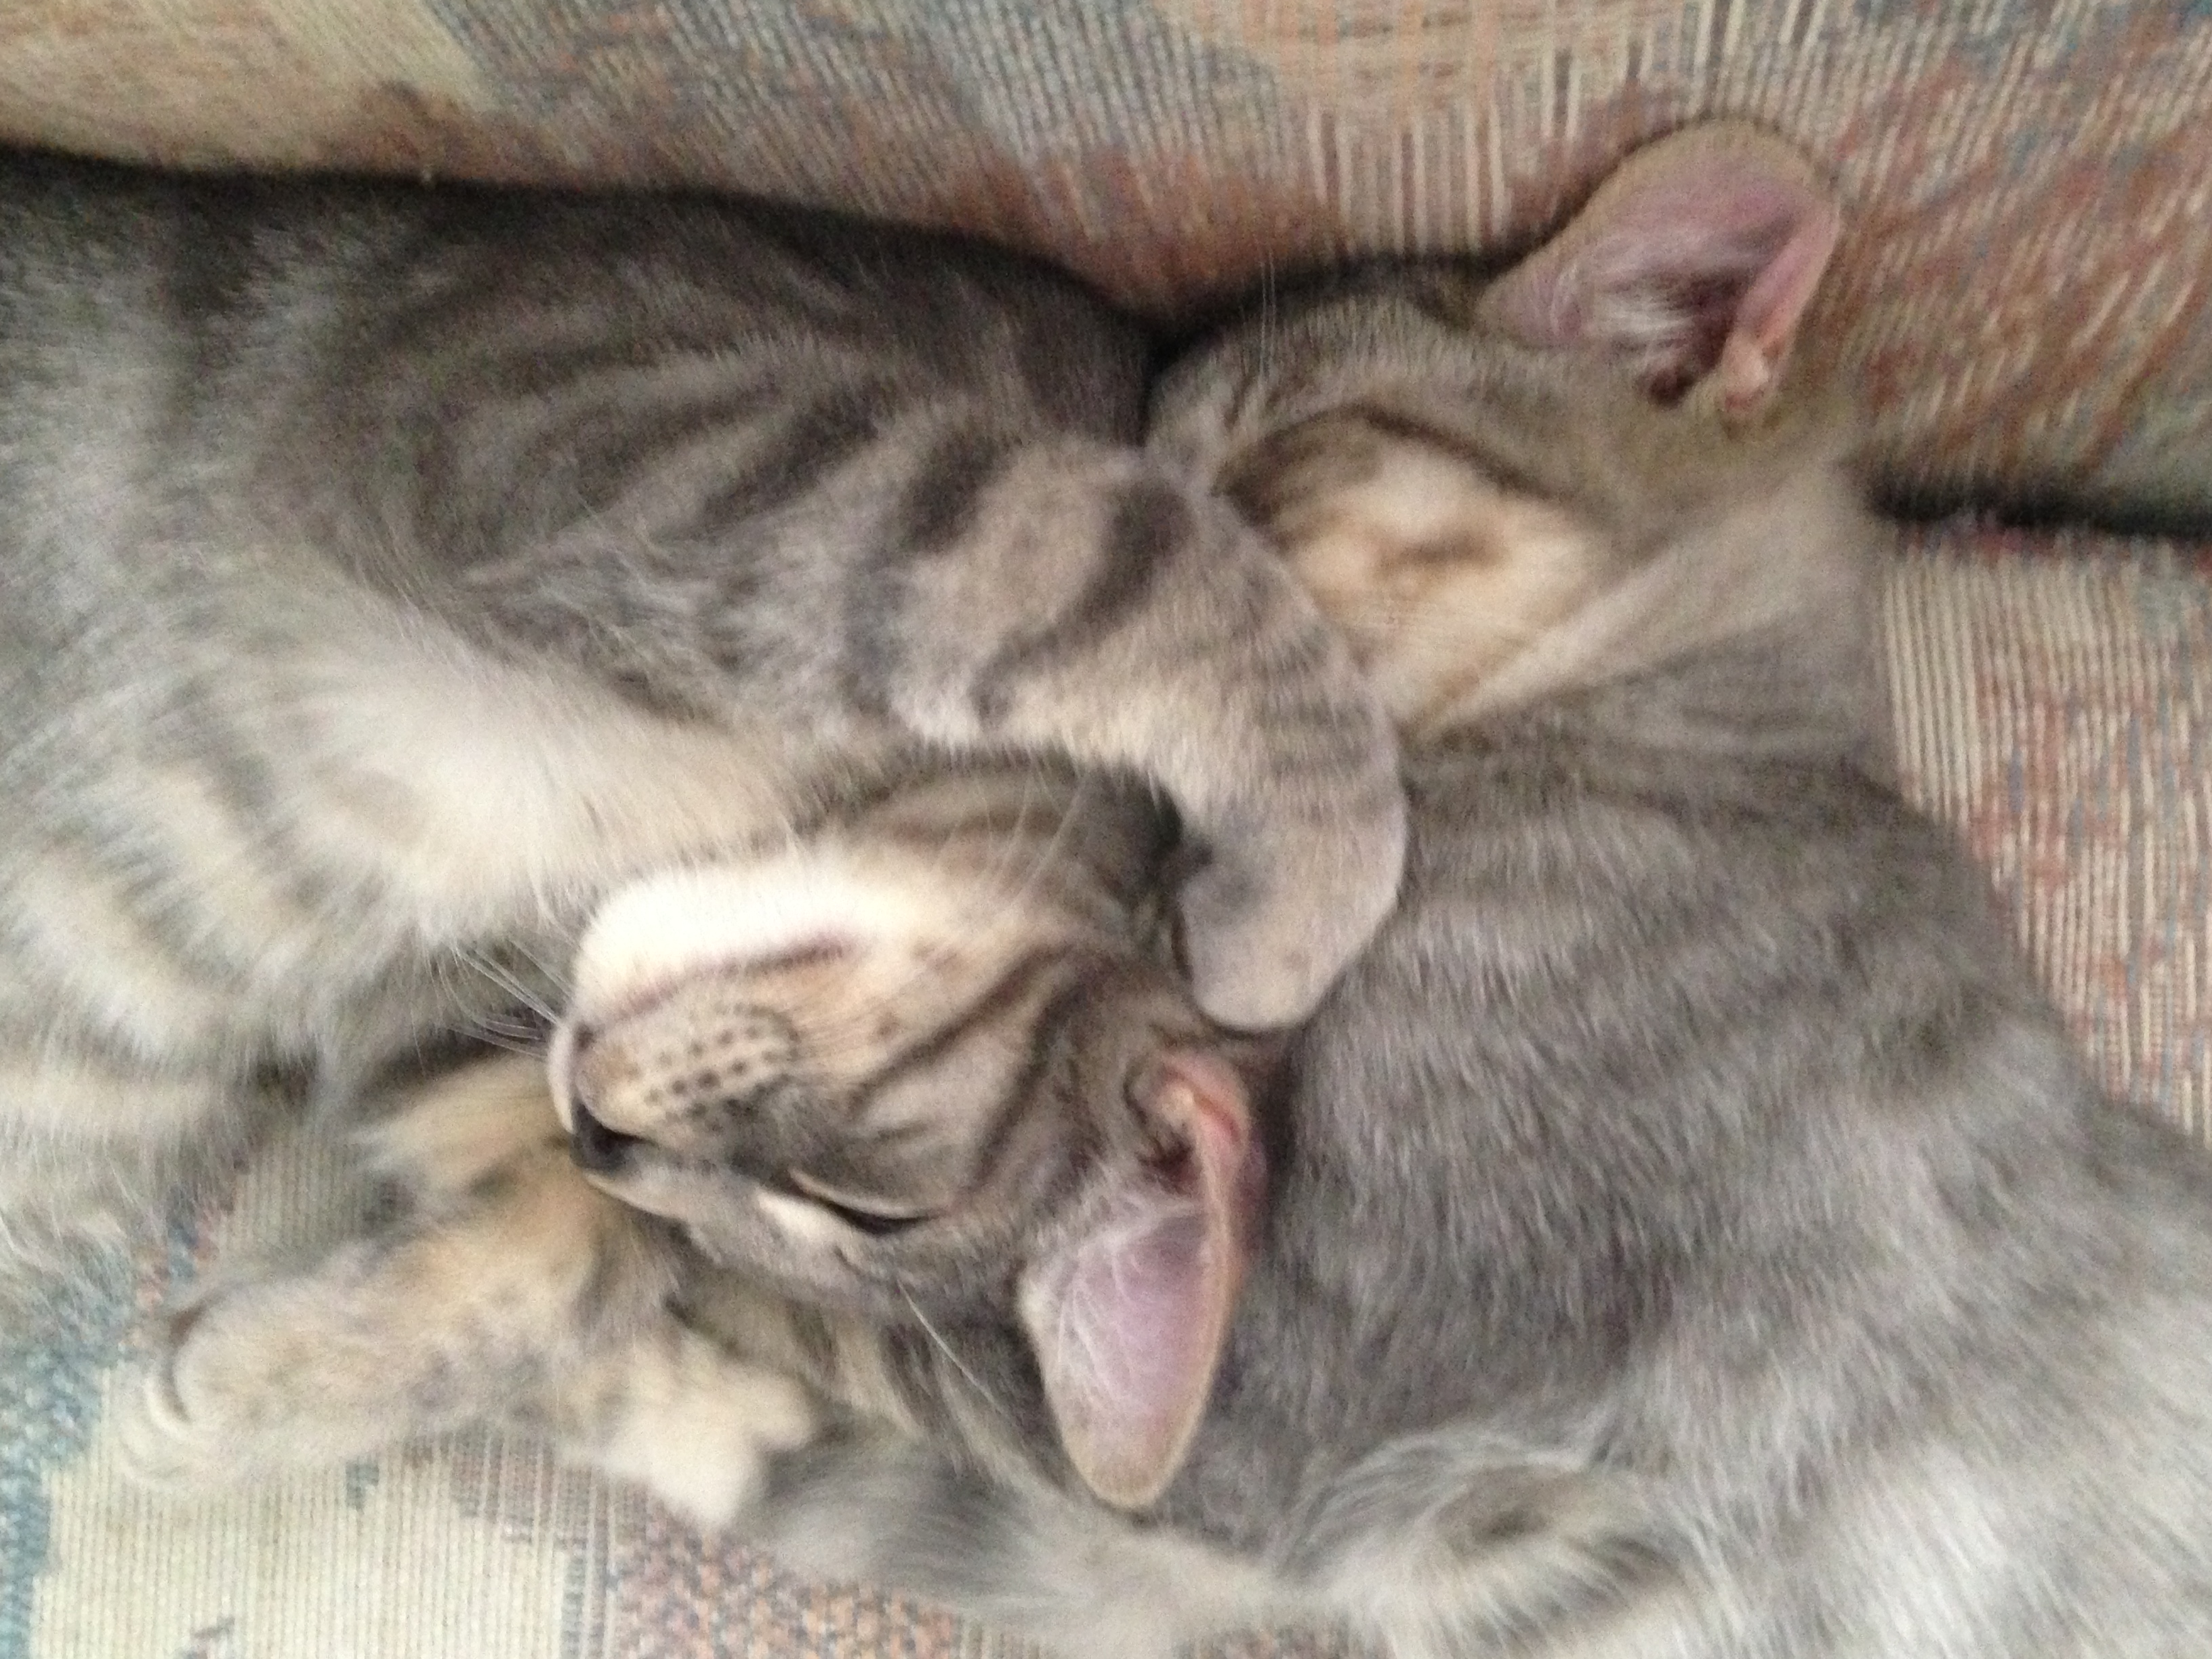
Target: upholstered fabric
(2054, 702)
(2025, 285)
(2054, 699)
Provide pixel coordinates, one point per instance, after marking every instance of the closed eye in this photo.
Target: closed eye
(598, 1149)
(879, 1217)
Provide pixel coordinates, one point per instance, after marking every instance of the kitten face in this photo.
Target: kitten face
(893, 1081)
(1436, 573)
(839, 1039)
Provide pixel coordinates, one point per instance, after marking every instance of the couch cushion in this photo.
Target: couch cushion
(2053, 695)
(2054, 699)
(2024, 288)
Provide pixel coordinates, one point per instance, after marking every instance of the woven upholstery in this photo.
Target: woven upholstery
(2054, 702)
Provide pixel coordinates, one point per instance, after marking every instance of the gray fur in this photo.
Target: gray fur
(385, 572)
(1688, 1229)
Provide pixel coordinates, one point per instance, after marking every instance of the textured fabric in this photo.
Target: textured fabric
(2024, 287)
(2054, 699)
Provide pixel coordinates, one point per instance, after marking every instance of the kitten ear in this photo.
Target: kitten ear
(1694, 263)
(1127, 1319)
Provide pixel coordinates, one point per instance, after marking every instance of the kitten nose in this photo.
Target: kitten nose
(597, 1149)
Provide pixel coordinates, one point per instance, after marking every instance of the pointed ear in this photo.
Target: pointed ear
(1127, 1319)
(1694, 264)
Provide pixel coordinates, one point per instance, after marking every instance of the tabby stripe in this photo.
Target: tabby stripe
(1149, 524)
(813, 444)
(999, 1144)
(937, 510)
(818, 1350)
(518, 366)
(608, 450)
(489, 370)
(1006, 995)
(1463, 446)
(204, 276)
(160, 900)
(28, 1028)
(944, 497)
(246, 785)
(502, 333)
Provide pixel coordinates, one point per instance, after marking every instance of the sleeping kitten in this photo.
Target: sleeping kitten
(387, 573)
(1687, 1229)
(944, 1007)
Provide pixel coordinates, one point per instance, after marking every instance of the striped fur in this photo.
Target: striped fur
(388, 573)
(1692, 1230)
(894, 1067)
(1688, 1227)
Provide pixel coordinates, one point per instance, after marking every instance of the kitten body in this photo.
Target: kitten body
(388, 573)
(1686, 1230)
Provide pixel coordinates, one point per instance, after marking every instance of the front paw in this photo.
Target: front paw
(173, 1423)
(256, 1376)
(692, 1424)
(1268, 928)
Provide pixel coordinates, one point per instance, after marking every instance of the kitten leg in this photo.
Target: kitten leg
(1461, 1541)
(80, 1182)
(1065, 1574)
(1101, 609)
(515, 1291)
(386, 1338)
(680, 1416)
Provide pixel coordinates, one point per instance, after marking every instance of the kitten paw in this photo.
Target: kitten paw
(169, 1435)
(1265, 937)
(696, 1427)
(255, 1377)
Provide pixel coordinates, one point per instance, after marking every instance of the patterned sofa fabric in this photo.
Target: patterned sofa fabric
(2024, 288)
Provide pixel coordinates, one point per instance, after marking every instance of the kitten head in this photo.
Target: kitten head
(1472, 470)
(942, 1083)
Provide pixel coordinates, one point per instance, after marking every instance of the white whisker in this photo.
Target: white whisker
(510, 982)
(958, 1364)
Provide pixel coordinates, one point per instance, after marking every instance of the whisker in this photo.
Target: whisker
(510, 982)
(958, 1364)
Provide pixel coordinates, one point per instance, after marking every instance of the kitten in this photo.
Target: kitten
(951, 1006)
(1686, 1229)
(386, 573)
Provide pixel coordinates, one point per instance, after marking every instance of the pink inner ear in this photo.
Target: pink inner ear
(1700, 255)
(1127, 1320)
(1767, 321)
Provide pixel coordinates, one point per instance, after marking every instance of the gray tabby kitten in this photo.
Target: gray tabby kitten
(1687, 1229)
(949, 1006)
(387, 573)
